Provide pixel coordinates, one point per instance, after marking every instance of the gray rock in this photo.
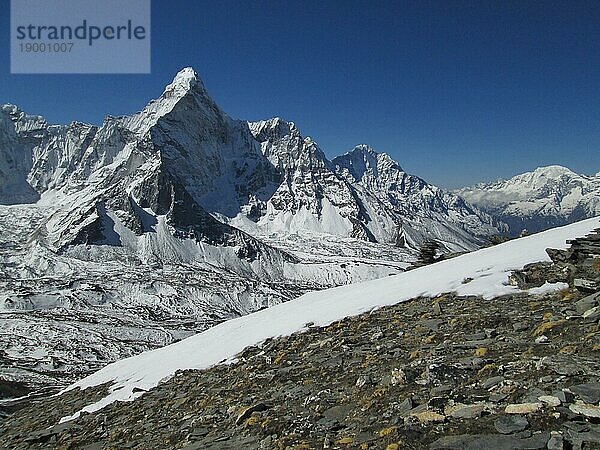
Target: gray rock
(432, 324)
(491, 382)
(585, 285)
(520, 326)
(580, 434)
(41, 436)
(475, 336)
(562, 367)
(491, 333)
(564, 396)
(550, 400)
(496, 398)
(338, 412)
(468, 411)
(592, 315)
(199, 432)
(577, 427)
(532, 395)
(555, 442)
(418, 409)
(588, 392)
(376, 336)
(491, 441)
(405, 406)
(440, 390)
(510, 424)
(587, 303)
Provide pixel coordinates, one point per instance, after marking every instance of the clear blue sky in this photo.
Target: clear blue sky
(456, 91)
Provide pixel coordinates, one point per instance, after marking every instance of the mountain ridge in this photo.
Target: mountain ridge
(547, 196)
(220, 163)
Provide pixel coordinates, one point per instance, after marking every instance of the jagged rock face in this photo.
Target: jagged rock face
(214, 157)
(362, 194)
(311, 196)
(544, 198)
(18, 133)
(408, 208)
(181, 157)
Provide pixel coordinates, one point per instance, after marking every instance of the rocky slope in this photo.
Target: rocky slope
(544, 198)
(449, 372)
(423, 211)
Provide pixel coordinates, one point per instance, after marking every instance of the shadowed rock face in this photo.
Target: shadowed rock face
(519, 371)
(17, 136)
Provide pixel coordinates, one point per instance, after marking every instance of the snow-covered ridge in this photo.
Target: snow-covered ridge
(363, 194)
(540, 199)
(487, 270)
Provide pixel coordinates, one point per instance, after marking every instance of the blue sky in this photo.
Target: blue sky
(456, 91)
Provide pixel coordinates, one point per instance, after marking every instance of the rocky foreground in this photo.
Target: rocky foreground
(517, 372)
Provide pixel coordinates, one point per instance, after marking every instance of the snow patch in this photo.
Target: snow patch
(547, 288)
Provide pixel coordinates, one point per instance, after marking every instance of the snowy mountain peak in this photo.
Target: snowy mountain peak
(9, 108)
(186, 87)
(185, 80)
(22, 121)
(545, 197)
(363, 159)
(553, 171)
(184, 158)
(272, 129)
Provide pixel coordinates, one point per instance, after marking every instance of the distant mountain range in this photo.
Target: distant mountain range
(545, 198)
(362, 194)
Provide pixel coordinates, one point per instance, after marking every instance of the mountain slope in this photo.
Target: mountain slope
(311, 196)
(131, 235)
(180, 157)
(486, 270)
(419, 210)
(111, 240)
(541, 199)
(517, 371)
